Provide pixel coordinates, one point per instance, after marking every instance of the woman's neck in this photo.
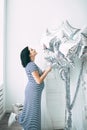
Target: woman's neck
(33, 59)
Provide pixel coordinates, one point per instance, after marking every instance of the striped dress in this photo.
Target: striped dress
(30, 117)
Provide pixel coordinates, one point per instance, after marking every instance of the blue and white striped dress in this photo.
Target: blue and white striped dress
(30, 118)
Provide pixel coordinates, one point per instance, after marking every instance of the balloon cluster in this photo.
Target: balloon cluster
(63, 44)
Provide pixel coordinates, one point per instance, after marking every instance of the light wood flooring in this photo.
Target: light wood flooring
(4, 124)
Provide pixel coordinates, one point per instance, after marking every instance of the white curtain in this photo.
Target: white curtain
(46, 122)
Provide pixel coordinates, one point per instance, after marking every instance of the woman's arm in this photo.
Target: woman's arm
(39, 79)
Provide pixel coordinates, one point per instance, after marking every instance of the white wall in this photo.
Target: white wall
(26, 21)
(2, 59)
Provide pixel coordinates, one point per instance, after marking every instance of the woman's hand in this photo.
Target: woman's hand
(49, 68)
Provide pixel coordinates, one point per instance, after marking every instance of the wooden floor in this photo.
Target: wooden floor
(4, 124)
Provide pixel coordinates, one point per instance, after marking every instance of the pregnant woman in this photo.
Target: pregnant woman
(30, 117)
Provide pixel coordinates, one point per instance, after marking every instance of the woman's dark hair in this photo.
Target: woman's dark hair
(24, 55)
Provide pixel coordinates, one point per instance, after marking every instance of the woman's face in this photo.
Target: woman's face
(32, 52)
